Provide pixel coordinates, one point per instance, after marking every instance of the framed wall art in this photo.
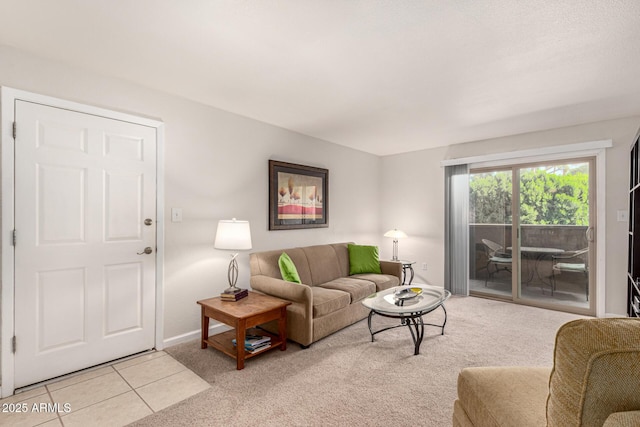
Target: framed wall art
(298, 196)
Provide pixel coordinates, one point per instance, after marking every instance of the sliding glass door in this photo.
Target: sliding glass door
(531, 234)
(490, 232)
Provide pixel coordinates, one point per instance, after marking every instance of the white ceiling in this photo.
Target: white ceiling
(382, 76)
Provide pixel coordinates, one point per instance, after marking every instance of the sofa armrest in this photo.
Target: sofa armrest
(279, 288)
(393, 268)
(623, 419)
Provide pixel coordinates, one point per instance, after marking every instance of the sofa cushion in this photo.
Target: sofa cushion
(323, 263)
(342, 252)
(363, 259)
(266, 263)
(596, 371)
(327, 301)
(504, 396)
(358, 289)
(288, 269)
(382, 281)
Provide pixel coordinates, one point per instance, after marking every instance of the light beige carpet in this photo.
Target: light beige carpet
(346, 380)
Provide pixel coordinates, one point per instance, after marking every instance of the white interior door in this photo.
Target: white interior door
(85, 207)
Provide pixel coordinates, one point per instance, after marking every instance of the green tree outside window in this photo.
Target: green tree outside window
(557, 195)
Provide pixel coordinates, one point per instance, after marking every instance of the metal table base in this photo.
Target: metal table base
(413, 321)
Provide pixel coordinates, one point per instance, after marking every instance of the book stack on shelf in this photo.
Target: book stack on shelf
(255, 343)
(234, 296)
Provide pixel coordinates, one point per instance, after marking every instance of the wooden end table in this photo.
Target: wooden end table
(253, 310)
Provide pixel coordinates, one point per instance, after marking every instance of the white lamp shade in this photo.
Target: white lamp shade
(396, 234)
(233, 235)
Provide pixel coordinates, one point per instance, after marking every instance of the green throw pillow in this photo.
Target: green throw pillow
(288, 269)
(363, 259)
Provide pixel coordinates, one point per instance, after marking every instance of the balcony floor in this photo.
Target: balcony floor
(570, 294)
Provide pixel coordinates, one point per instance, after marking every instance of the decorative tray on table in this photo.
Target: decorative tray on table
(407, 293)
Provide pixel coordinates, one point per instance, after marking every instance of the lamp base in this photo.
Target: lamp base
(395, 250)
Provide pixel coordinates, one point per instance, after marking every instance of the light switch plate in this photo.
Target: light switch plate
(623, 216)
(176, 214)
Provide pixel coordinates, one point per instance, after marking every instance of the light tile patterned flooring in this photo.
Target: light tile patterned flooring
(113, 395)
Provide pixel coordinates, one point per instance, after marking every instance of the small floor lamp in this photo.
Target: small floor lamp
(396, 234)
(236, 236)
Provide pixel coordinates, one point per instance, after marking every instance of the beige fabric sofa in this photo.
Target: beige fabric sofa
(595, 381)
(328, 298)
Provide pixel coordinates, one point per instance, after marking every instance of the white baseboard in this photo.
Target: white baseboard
(614, 315)
(193, 335)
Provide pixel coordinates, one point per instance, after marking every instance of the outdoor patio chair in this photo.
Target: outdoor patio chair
(496, 256)
(571, 262)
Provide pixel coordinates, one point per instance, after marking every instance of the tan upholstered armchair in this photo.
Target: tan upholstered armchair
(595, 381)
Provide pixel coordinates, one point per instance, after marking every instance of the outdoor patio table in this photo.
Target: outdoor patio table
(537, 254)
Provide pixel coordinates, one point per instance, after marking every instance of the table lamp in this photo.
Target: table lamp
(236, 236)
(396, 234)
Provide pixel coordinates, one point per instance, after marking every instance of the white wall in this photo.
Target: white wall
(413, 184)
(216, 167)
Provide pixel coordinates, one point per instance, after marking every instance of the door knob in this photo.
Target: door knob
(146, 251)
(148, 221)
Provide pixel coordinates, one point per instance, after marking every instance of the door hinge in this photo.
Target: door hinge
(14, 130)
(14, 238)
(13, 344)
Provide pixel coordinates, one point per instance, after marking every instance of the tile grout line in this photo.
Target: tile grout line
(112, 366)
(90, 369)
(49, 392)
(46, 387)
(60, 417)
(135, 391)
(159, 379)
(139, 363)
(93, 404)
(168, 376)
(79, 382)
(22, 399)
(164, 378)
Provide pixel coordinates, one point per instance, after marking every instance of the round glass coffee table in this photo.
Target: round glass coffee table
(409, 304)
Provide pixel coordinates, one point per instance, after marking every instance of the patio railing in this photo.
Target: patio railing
(566, 237)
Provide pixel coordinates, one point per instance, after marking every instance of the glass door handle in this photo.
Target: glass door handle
(589, 234)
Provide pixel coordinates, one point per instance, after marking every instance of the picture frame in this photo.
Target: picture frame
(298, 196)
